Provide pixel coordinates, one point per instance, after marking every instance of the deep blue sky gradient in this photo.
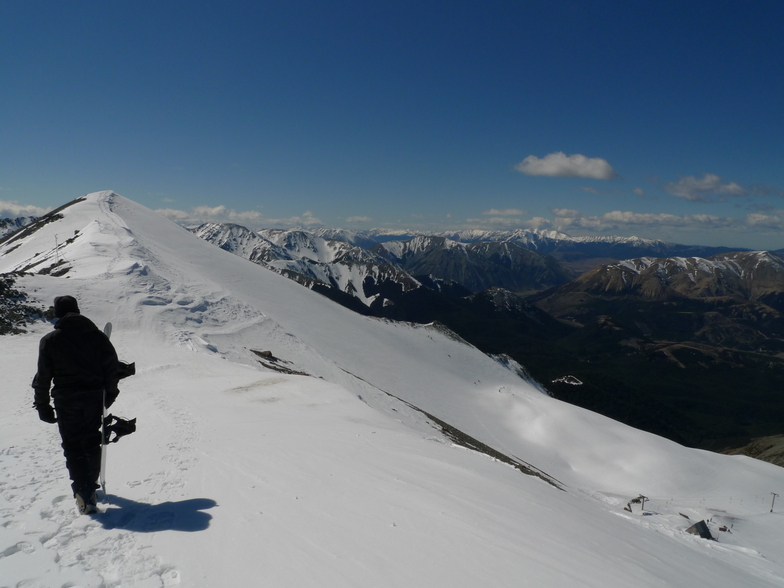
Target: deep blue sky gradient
(410, 114)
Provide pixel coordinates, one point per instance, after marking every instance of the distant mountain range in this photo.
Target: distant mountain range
(683, 341)
(361, 262)
(10, 225)
(577, 252)
(365, 452)
(685, 346)
(313, 261)
(477, 265)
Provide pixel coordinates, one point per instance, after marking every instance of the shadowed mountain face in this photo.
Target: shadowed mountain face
(731, 299)
(10, 225)
(750, 275)
(477, 266)
(688, 349)
(702, 337)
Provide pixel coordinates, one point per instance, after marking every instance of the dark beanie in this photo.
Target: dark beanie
(65, 304)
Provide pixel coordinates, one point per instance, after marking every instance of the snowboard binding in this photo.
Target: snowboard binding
(120, 428)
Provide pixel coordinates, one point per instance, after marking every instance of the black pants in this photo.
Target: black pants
(79, 419)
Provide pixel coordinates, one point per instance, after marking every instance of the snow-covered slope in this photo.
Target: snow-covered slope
(242, 241)
(306, 470)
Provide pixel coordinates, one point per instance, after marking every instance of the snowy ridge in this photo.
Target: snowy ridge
(327, 479)
(531, 238)
(242, 241)
(750, 274)
(735, 263)
(349, 268)
(636, 241)
(420, 244)
(541, 241)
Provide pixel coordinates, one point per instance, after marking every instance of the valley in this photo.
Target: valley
(690, 348)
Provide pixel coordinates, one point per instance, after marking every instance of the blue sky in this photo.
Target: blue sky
(657, 119)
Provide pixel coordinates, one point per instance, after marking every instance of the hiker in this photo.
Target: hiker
(82, 362)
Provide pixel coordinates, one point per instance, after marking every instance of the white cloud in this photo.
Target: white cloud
(248, 215)
(574, 222)
(498, 222)
(566, 212)
(510, 223)
(206, 211)
(703, 189)
(504, 212)
(539, 222)
(773, 222)
(560, 165)
(310, 220)
(217, 214)
(174, 215)
(306, 220)
(640, 192)
(358, 219)
(572, 219)
(15, 210)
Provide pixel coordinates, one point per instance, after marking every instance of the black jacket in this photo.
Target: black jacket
(78, 357)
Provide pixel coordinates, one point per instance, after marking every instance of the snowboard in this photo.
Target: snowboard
(107, 330)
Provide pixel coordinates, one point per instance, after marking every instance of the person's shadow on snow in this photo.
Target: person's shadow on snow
(185, 515)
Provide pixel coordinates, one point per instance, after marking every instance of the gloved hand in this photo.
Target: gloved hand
(46, 413)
